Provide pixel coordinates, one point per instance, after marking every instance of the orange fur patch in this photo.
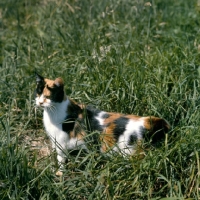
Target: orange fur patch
(59, 81)
(152, 123)
(73, 106)
(79, 135)
(82, 106)
(133, 117)
(112, 117)
(71, 134)
(157, 127)
(46, 92)
(107, 137)
(49, 83)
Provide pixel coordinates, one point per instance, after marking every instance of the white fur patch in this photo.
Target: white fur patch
(42, 101)
(132, 128)
(57, 83)
(74, 143)
(53, 118)
(100, 118)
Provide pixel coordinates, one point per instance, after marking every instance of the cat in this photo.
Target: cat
(67, 123)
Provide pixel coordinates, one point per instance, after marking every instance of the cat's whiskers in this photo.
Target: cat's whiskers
(52, 110)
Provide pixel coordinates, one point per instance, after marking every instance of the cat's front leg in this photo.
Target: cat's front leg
(61, 161)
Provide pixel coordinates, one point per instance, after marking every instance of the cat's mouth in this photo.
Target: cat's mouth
(39, 105)
(46, 107)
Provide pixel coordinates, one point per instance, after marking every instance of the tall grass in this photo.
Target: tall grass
(128, 56)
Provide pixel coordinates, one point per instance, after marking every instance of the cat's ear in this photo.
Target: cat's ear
(38, 77)
(59, 82)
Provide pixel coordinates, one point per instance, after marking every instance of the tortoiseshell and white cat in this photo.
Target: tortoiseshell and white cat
(64, 121)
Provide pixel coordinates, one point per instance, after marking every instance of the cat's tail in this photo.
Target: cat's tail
(156, 128)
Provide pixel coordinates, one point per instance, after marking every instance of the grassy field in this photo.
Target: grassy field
(129, 56)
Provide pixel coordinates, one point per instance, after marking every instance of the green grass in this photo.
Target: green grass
(124, 56)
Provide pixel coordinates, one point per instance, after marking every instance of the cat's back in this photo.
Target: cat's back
(126, 128)
(112, 122)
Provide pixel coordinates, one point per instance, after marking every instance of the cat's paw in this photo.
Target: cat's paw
(59, 173)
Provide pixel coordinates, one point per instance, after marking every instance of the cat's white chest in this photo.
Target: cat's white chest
(53, 120)
(52, 126)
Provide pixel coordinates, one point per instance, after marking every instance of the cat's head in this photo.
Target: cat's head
(49, 91)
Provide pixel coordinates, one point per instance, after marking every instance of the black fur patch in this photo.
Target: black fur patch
(132, 139)
(39, 88)
(91, 122)
(68, 125)
(57, 94)
(105, 116)
(120, 127)
(40, 84)
(74, 111)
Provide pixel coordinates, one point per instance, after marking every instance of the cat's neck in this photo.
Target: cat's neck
(57, 112)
